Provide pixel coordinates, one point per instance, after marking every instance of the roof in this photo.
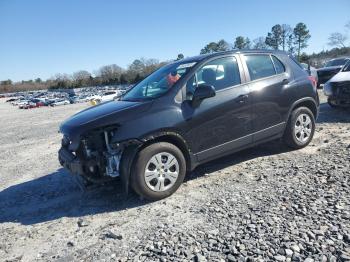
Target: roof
(236, 51)
(338, 58)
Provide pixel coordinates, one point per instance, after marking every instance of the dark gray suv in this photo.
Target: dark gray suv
(187, 113)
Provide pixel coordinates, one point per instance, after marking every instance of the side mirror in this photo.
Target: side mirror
(202, 92)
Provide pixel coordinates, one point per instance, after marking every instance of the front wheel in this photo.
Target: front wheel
(300, 128)
(159, 171)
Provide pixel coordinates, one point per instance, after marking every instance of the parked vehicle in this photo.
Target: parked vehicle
(338, 88)
(190, 112)
(330, 69)
(27, 105)
(22, 104)
(60, 102)
(106, 96)
(11, 100)
(38, 102)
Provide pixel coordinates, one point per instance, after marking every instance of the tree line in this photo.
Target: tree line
(291, 39)
(281, 37)
(105, 75)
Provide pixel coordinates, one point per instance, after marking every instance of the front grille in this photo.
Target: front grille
(344, 84)
(341, 89)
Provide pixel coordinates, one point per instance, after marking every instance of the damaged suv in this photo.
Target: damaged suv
(337, 89)
(187, 113)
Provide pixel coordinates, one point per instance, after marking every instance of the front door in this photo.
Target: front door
(221, 123)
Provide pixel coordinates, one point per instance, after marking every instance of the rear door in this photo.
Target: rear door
(221, 123)
(269, 87)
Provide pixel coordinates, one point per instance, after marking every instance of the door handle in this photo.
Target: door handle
(285, 81)
(242, 99)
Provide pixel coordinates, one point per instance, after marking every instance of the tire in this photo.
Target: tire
(295, 137)
(158, 185)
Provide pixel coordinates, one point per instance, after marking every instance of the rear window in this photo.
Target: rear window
(336, 62)
(346, 68)
(259, 66)
(296, 61)
(278, 65)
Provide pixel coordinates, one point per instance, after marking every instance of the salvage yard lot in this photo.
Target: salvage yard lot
(265, 203)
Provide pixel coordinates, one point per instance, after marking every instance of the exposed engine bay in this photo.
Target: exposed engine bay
(338, 92)
(96, 158)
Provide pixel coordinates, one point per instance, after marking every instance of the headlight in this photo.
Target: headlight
(327, 89)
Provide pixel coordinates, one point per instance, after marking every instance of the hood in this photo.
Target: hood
(329, 68)
(105, 114)
(341, 77)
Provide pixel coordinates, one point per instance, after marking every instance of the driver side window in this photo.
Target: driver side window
(220, 73)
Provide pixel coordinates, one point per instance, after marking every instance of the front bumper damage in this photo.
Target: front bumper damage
(98, 160)
(338, 93)
(70, 161)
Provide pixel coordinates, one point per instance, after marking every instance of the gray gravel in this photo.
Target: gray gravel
(265, 203)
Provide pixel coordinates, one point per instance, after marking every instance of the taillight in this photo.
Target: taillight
(313, 81)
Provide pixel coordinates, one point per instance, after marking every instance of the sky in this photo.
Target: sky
(40, 38)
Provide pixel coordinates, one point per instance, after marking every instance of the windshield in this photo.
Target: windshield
(346, 68)
(159, 82)
(336, 62)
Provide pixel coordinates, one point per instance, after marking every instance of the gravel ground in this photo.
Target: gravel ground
(265, 203)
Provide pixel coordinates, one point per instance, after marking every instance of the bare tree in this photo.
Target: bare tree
(140, 68)
(259, 43)
(81, 78)
(286, 32)
(337, 39)
(62, 81)
(110, 74)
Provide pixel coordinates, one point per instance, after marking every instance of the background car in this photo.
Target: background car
(338, 88)
(106, 96)
(330, 69)
(60, 102)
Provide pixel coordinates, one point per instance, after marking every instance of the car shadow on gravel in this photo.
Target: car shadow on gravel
(266, 149)
(329, 114)
(58, 195)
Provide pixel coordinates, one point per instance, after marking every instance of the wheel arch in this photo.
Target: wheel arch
(172, 138)
(307, 102)
(131, 151)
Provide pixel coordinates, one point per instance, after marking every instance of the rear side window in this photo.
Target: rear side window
(278, 65)
(259, 66)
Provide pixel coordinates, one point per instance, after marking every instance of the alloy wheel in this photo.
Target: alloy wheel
(161, 171)
(303, 128)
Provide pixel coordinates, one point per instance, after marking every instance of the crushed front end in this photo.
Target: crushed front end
(94, 158)
(338, 93)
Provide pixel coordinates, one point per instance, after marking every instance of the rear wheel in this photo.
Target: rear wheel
(159, 170)
(300, 128)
